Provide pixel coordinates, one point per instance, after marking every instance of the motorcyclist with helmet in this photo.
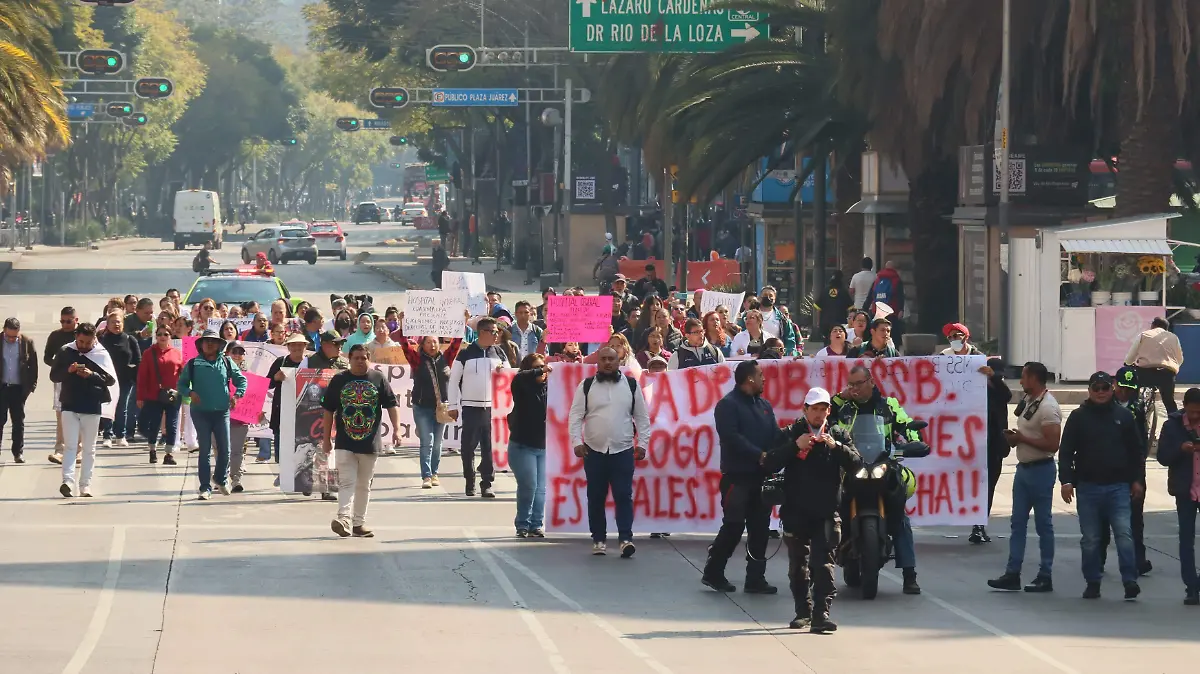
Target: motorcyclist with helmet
(814, 460)
(862, 397)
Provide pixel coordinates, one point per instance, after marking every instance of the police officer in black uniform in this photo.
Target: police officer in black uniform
(1125, 394)
(814, 461)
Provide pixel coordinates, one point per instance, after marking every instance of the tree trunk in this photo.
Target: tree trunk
(1148, 140)
(931, 200)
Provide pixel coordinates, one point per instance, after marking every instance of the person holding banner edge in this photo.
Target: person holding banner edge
(747, 430)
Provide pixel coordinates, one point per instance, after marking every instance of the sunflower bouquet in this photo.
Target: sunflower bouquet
(1152, 269)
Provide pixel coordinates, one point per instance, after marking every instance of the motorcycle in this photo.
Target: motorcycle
(868, 493)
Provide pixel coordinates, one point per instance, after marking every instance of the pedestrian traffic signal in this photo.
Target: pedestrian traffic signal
(451, 58)
(398, 140)
(389, 97)
(139, 119)
(153, 87)
(348, 124)
(288, 142)
(100, 61)
(119, 109)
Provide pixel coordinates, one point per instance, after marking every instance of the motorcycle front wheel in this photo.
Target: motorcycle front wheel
(870, 557)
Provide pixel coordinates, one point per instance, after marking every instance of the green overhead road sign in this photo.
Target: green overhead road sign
(434, 174)
(682, 26)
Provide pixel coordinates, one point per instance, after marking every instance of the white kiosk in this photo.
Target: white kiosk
(1078, 296)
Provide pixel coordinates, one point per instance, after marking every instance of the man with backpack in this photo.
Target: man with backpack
(888, 289)
(609, 423)
(203, 260)
(205, 381)
(696, 351)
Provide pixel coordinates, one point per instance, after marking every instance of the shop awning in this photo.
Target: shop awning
(1130, 246)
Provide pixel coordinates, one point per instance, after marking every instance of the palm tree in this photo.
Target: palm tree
(32, 106)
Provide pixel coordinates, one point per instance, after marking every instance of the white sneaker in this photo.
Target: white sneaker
(122, 442)
(426, 483)
(224, 488)
(599, 548)
(85, 492)
(107, 444)
(205, 495)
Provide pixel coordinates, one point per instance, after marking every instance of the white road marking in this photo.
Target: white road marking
(990, 628)
(530, 618)
(95, 628)
(300, 528)
(603, 624)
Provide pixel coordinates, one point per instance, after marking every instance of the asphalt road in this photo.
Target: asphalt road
(144, 578)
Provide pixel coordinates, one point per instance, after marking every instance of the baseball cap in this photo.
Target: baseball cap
(951, 328)
(1100, 378)
(620, 277)
(331, 336)
(816, 396)
(1127, 377)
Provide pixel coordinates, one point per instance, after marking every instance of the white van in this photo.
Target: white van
(197, 219)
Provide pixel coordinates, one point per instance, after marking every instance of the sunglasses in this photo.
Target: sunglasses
(1100, 388)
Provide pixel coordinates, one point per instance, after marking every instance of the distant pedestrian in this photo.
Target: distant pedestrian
(55, 341)
(608, 420)
(205, 382)
(441, 262)
(1103, 462)
(126, 354)
(354, 402)
(18, 379)
(89, 382)
(527, 444)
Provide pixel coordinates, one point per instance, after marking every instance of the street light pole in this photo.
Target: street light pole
(1006, 293)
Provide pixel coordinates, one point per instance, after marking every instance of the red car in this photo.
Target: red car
(331, 240)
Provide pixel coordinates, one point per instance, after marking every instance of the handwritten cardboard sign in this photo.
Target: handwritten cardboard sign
(578, 319)
(261, 355)
(712, 299)
(243, 324)
(389, 355)
(435, 313)
(187, 346)
(252, 405)
(473, 284)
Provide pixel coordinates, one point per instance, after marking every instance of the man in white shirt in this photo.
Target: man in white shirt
(860, 283)
(607, 410)
(1157, 355)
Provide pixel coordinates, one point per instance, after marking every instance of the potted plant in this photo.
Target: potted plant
(1104, 277)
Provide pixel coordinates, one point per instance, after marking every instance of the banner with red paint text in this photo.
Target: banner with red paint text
(301, 422)
(676, 489)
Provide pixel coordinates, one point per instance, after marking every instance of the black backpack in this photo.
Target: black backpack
(197, 263)
(633, 384)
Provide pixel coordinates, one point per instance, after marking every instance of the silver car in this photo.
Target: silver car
(281, 244)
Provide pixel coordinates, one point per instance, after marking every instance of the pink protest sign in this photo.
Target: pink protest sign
(250, 408)
(1116, 330)
(578, 319)
(188, 346)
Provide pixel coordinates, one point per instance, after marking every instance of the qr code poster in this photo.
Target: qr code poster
(585, 188)
(1016, 175)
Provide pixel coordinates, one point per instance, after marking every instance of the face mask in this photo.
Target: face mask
(393, 325)
(767, 303)
(956, 344)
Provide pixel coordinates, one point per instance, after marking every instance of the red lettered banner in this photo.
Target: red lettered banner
(676, 489)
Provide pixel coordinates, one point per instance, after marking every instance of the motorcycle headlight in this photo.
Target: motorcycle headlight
(861, 474)
(879, 471)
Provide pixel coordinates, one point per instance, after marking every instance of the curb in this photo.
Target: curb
(5, 268)
(408, 285)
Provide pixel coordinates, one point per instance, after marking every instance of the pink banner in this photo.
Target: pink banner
(677, 488)
(1116, 330)
(188, 346)
(578, 319)
(250, 408)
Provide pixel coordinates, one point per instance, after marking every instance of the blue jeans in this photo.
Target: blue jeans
(1033, 488)
(1185, 509)
(264, 448)
(124, 422)
(1097, 504)
(212, 425)
(529, 467)
(905, 546)
(605, 471)
(151, 423)
(429, 433)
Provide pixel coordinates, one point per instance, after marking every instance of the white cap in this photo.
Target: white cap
(608, 235)
(816, 396)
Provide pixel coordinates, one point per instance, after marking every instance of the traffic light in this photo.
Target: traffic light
(119, 109)
(288, 142)
(398, 140)
(396, 165)
(389, 97)
(451, 58)
(348, 124)
(153, 87)
(100, 61)
(139, 119)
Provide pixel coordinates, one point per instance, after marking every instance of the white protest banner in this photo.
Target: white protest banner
(243, 324)
(435, 313)
(677, 488)
(261, 355)
(300, 423)
(473, 284)
(712, 299)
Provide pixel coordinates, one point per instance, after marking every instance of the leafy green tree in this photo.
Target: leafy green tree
(32, 107)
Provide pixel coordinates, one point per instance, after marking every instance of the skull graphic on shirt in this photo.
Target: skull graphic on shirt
(360, 409)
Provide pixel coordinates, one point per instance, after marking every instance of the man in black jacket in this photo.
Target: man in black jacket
(746, 429)
(814, 461)
(1101, 458)
(1177, 451)
(55, 341)
(18, 379)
